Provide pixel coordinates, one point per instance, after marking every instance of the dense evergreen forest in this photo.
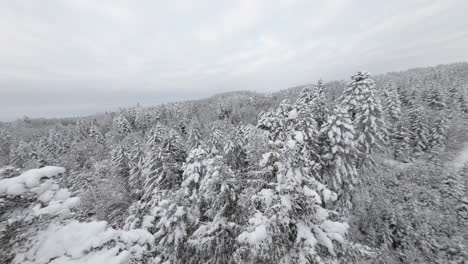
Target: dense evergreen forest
(366, 170)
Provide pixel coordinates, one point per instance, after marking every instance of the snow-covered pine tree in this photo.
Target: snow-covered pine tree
(150, 168)
(142, 119)
(96, 134)
(214, 238)
(172, 156)
(419, 128)
(275, 121)
(400, 142)
(306, 96)
(194, 172)
(194, 138)
(216, 141)
(16, 158)
(319, 109)
(81, 130)
(289, 224)
(234, 150)
(162, 175)
(436, 99)
(365, 111)
(392, 106)
(305, 123)
(257, 143)
(438, 131)
(196, 224)
(403, 95)
(341, 152)
(120, 162)
(122, 125)
(135, 180)
(56, 145)
(398, 135)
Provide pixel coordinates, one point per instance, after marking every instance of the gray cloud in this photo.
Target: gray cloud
(62, 58)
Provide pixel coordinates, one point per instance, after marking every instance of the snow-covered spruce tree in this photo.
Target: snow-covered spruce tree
(341, 152)
(234, 150)
(398, 135)
(419, 129)
(56, 144)
(392, 106)
(257, 143)
(403, 95)
(305, 123)
(81, 130)
(162, 175)
(400, 142)
(319, 109)
(176, 218)
(215, 238)
(194, 138)
(96, 134)
(122, 125)
(438, 131)
(24, 155)
(172, 156)
(366, 113)
(135, 180)
(216, 141)
(150, 167)
(288, 223)
(195, 170)
(120, 162)
(275, 121)
(453, 190)
(436, 99)
(196, 225)
(142, 119)
(16, 158)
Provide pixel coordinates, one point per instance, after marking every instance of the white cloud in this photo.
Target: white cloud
(162, 47)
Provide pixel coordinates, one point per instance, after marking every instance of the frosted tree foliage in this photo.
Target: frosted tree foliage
(341, 152)
(122, 124)
(319, 104)
(246, 177)
(291, 225)
(366, 113)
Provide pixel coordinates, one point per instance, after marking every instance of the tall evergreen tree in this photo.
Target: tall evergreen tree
(319, 105)
(135, 180)
(436, 98)
(289, 225)
(401, 142)
(16, 158)
(365, 111)
(234, 150)
(122, 124)
(120, 162)
(438, 131)
(142, 119)
(341, 152)
(96, 134)
(419, 129)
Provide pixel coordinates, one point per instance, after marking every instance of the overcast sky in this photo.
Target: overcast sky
(75, 57)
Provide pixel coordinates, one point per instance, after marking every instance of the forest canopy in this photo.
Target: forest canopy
(367, 170)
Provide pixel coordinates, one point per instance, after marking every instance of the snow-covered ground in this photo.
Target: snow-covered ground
(63, 239)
